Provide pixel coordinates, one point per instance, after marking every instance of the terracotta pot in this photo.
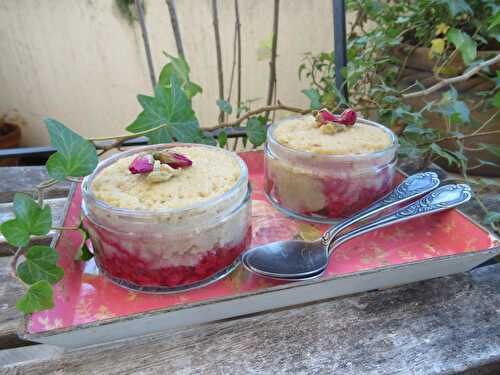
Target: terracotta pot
(419, 68)
(10, 139)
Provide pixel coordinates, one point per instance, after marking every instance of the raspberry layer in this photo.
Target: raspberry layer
(342, 197)
(123, 264)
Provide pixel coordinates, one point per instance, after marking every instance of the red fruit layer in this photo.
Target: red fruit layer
(344, 196)
(131, 268)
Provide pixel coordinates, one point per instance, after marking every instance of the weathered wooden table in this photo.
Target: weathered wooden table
(448, 325)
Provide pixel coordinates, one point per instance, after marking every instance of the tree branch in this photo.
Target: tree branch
(175, 27)
(238, 70)
(220, 73)
(145, 39)
(460, 137)
(272, 62)
(449, 81)
(278, 107)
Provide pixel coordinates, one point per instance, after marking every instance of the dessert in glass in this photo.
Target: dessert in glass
(168, 217)
(325, 168)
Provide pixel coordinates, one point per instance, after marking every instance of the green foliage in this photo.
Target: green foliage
(256, 130)
(464, 43)
(179, 68)
(31, 219)
(222, 138)
(75, 156)
(38, 297)
(456, 7)
(171, 108)
(40, 264)
(224, 106)
(314, 97)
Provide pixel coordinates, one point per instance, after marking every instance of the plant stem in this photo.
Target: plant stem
(486, 123)
(145, 39)
(449, 81)
(220, 73)
(238, 81)
(272, 62)
(127, 136)
(65, 228)
(175, 27)
(269, 108)
(460, 137)
(13, 263)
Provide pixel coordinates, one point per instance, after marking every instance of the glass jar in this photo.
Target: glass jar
(169, 248)
(326, 188)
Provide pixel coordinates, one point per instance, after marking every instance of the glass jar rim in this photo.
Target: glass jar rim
(392, 148)
(88, 194)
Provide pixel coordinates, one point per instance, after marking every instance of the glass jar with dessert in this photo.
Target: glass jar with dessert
(324, 168)
(168, 217)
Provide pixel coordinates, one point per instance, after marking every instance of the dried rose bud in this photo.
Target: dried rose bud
(141, 164)
(324, 117)
(172, 159)
(348, 117)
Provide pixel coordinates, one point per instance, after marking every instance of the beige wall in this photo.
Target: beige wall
(82, 63)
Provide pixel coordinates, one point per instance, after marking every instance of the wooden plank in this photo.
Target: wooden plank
(57, 206)
(10, 318)
(446, 325)
(24, 179)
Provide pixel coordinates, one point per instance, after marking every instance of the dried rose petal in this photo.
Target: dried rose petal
(173, 159)
(348, 117)
(141, 164)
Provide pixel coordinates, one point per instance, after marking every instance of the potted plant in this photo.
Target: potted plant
(431, 70)
(10, 134)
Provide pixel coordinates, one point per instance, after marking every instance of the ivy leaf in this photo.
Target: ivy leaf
(494, 21)
(496, 100)
(256, 130)
(437, 46)
(38, 220)
(456, 7)
(492, 217)
(83, 253)
(179, 68)
(37, 298)
(40, 264)
(456, 110)
(170, 107)
(224, 106)
(314, 97)
(75, 155)
(222, 138)
(15, 232)
(464, 43)
(31, 219)
(450, 158)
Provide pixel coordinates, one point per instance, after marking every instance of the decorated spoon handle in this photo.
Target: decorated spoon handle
(442, 198)
(412, 187)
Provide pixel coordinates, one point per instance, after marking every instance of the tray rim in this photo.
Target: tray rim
(24, 333)
(27, 335)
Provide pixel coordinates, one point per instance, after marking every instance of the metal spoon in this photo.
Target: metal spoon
(300, 260)
(412, 187)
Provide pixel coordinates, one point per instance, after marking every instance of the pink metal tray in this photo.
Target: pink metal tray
(90, 309)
